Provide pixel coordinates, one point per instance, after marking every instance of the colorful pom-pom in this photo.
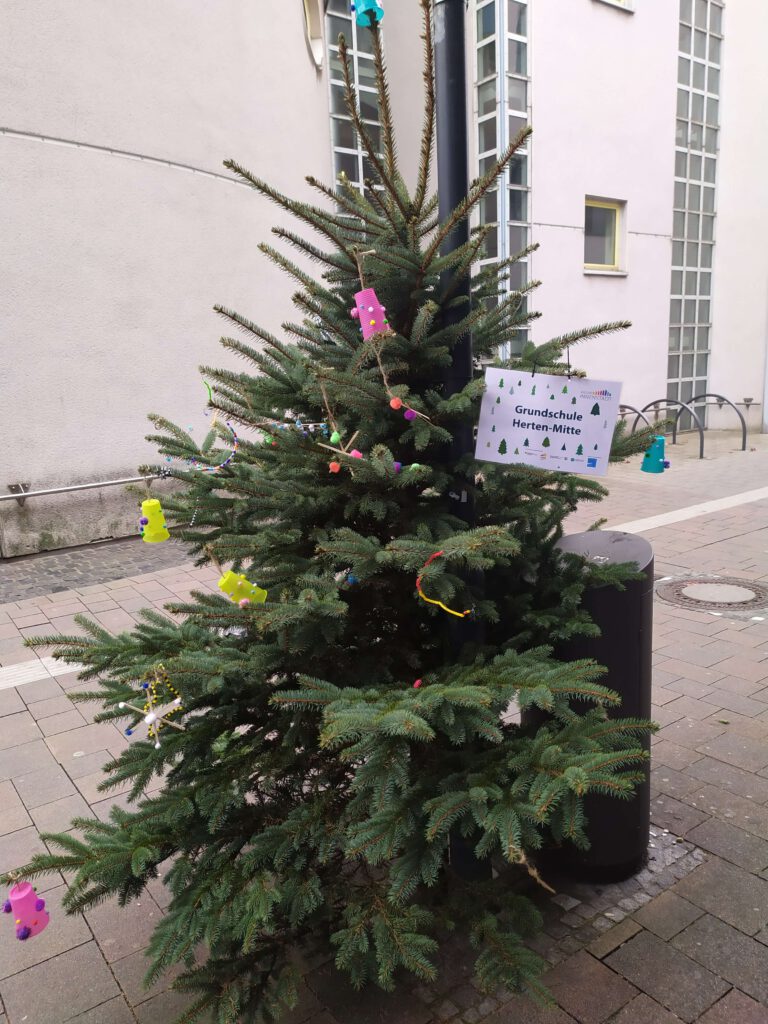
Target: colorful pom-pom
(334, 467)
(395, 403)
(244, 603)
(356, 454)
(354, 313)
(39, 905)
(335, 437)
(398, 466)
(7, 908)
(23, 933)
(417, 684)
(143, 521)
(409, 414)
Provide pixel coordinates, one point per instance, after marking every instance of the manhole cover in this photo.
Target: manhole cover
(706, 593)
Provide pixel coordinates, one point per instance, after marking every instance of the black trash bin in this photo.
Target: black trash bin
(618, 830)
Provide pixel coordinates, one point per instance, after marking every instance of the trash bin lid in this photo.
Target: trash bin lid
(609, 547)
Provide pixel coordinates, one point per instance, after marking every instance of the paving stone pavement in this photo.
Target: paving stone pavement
(684, 940)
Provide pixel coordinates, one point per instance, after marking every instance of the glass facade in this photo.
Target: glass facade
(693, 231)
(348, 156)
(501, 104)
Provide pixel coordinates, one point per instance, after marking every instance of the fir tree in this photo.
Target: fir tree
(314, 785)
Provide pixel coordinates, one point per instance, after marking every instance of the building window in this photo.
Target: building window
(693, 218)
(602, 233)
(502, 108)
(348, 154)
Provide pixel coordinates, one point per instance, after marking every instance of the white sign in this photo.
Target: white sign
(559, 423)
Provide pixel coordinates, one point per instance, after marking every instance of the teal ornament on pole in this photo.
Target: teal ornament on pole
(367, 12)
(653, 460)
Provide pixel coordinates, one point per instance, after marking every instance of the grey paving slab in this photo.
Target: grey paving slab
(63, 933)
(62, 723)
(18, 848)
(130, 972)
(40, 689)
(17, 730)
(613, 938)
(741, 751)
(728, 892)
(728, 952)
(10, 702)
(87, 764)
(732, 844)
(43, 786)
(667, 915)
(644, 1010)
(740, 811)
(13, 816)
(520, 1009)
(121, 931)
(668, 976)
(86, 740)
(52, 706)
(165, 1007)
(587, 990)
(726, 776)
(736, 1008)
(36, 994)
(57, 816)
(371, 1005)
(678, 817)
(114, 1011)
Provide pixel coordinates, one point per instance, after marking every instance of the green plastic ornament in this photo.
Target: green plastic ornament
(335, 437)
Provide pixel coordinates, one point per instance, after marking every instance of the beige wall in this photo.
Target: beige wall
(740, 299)
(110, 264)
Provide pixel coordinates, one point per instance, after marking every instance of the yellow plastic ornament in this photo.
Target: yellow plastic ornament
(154, 530)
(238, 588)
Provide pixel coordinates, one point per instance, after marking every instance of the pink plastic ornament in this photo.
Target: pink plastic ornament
(29, 913)
(417, 684)
(395, 403)
(409, 414)
(356, 454)
(370, 312)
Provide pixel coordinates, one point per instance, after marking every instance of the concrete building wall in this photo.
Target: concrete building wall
(110, 262)
(740, 300)
(603, 113)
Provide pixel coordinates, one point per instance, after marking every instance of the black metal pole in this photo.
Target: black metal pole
(452, 185)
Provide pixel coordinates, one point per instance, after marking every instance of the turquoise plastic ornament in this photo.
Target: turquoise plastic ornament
(367, 12)
(653, 460)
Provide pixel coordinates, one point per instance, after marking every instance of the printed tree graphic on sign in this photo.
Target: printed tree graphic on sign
(493, 429)
(503, 446)
(545, 443)
(525, 443)
(565, 390)
(511, 391)
(552, 397)
(596, 447)
(533, 390)
(517, 451)
(498, 401)
(501, 382)
(595, 409)
(563, 448)
(580, 450)
(573, 400)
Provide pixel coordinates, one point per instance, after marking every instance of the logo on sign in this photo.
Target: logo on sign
(600, 393)
(591, 463)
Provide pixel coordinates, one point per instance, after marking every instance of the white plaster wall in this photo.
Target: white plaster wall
(110, 265)
(740, 299)
(603, 114)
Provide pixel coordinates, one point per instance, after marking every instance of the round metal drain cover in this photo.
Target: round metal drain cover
(705, 593)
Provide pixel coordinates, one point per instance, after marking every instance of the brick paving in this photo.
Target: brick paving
(685, 940)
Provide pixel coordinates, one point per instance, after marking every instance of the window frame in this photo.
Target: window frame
(618, 207)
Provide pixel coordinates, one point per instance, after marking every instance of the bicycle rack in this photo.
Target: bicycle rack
(684, 407)
(727, 401)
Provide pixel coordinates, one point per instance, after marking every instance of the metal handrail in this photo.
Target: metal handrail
(683, 405)
(720, 399)
(22, 496)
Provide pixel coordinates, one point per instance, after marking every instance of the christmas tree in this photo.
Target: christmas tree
(332, 742)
